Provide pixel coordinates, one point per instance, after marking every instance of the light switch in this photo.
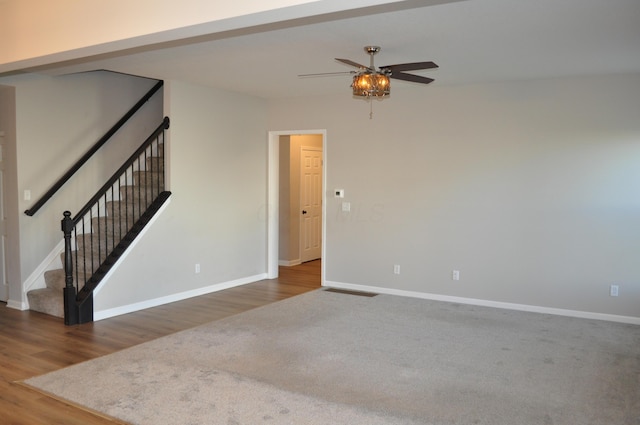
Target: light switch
(27, 195)
(339, 193)
(346, 206)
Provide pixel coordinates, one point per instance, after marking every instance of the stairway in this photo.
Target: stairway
(119, 216)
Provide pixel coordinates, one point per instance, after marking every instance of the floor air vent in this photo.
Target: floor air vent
(345, 291)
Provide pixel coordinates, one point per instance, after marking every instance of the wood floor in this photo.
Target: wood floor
(33, 343)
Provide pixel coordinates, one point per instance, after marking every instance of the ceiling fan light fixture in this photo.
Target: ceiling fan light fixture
(371, 84)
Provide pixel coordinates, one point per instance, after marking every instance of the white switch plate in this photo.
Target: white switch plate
(27, 195)
(613, 290)
(455, 275)
(346, 206)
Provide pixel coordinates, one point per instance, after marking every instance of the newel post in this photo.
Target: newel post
(70, 307)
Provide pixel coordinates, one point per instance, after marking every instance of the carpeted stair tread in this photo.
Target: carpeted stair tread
(129, 211)
(91, 243)
(110, 227)
(155, 163)
(55, 279)
(140, 195)
(90, 259)
(148, 178)
(47, 300)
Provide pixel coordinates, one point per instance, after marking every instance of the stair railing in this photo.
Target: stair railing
(61, 182)
(102, 230)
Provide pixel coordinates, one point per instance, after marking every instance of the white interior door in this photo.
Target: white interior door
(310, 203)
(4, 289)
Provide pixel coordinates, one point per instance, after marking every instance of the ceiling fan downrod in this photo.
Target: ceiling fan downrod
(371, 51)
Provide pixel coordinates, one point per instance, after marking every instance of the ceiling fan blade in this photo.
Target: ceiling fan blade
(410, 66)
(326, 74)
(411, 77)
(352, 63)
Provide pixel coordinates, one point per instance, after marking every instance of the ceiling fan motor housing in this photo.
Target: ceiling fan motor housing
(369, 82)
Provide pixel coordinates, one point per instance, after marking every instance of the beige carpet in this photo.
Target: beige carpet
(331, 358)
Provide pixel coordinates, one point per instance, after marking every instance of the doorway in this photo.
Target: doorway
(290, 224)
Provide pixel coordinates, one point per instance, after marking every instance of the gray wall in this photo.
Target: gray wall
(530, 189)
(217, 212)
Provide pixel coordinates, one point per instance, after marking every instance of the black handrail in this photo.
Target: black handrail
(44, 198)
(163, 126)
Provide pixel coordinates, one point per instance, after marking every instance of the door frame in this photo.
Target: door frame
(4, 287)
(273, 198)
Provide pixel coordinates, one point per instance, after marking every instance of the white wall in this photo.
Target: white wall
(530, 189)
(57, 120)
(217, 158)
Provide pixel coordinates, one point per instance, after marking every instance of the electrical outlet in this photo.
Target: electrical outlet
(613, 290)
(455, 275)
(197, 268)
(396, 269)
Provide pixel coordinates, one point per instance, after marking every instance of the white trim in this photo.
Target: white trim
(273, 209)
(4, 292)
(17, 305)
(487, 303)
(117, 311)
(273, 186)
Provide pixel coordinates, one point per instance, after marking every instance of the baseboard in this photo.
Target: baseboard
(289, 263)
(487, 303)
(105, 314)
(4, 292)
(17, 305)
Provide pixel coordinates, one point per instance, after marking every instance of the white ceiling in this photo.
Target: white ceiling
(472, 41)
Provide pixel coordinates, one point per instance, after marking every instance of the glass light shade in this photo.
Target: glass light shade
(371, 84)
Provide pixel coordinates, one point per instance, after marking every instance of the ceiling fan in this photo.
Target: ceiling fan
(370, 81)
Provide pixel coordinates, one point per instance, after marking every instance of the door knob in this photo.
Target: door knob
(304, 211)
